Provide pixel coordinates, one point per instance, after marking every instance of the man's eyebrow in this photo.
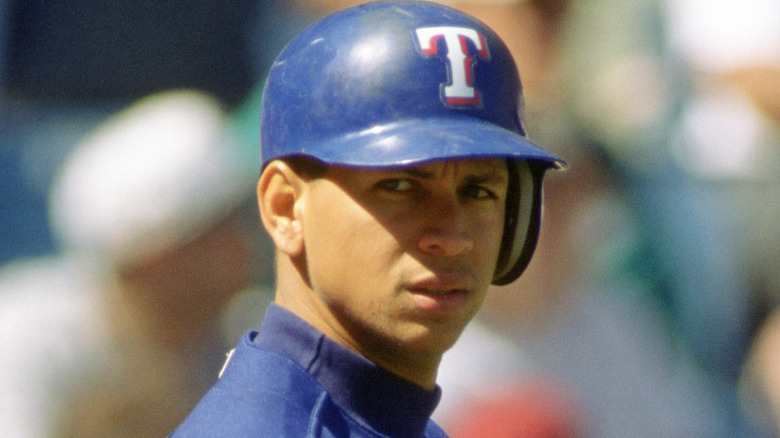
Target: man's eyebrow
(418, 173)
(486, 176)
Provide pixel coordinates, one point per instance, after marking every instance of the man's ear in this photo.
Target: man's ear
(279, 190)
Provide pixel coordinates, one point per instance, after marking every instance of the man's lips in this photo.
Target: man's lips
(441, 281)
(441, 294)
(437, 291)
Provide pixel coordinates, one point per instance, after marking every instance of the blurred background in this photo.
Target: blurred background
(132, 258)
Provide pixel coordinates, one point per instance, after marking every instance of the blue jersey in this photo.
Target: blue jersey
(290, 380)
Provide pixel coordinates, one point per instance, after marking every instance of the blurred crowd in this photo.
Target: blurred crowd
(132, 257)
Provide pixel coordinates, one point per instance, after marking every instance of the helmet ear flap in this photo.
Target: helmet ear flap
(523, 220)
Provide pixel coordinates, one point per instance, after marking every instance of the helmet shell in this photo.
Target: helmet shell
(358, 88)
(397, 83)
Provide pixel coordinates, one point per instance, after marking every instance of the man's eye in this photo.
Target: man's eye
(478, 192)
(396, 185)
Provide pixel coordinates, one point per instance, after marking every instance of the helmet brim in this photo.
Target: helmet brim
(423, 140)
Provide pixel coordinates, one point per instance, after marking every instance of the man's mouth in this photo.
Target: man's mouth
(439, 301)
(438, 291)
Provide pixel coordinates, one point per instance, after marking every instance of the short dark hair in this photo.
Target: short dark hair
(306, 166)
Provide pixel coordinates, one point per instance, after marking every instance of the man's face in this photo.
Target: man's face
(400, 259)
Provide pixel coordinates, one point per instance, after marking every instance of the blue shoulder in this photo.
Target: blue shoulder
(260, 393)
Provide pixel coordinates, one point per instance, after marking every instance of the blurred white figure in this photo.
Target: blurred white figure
(116, 336)
(730, 130)
(729, 139)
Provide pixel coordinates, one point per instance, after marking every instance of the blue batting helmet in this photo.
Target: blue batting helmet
(399, 83)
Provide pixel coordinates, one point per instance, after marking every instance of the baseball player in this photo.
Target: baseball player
(397, 185)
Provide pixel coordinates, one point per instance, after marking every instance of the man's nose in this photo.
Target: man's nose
(445, 231)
